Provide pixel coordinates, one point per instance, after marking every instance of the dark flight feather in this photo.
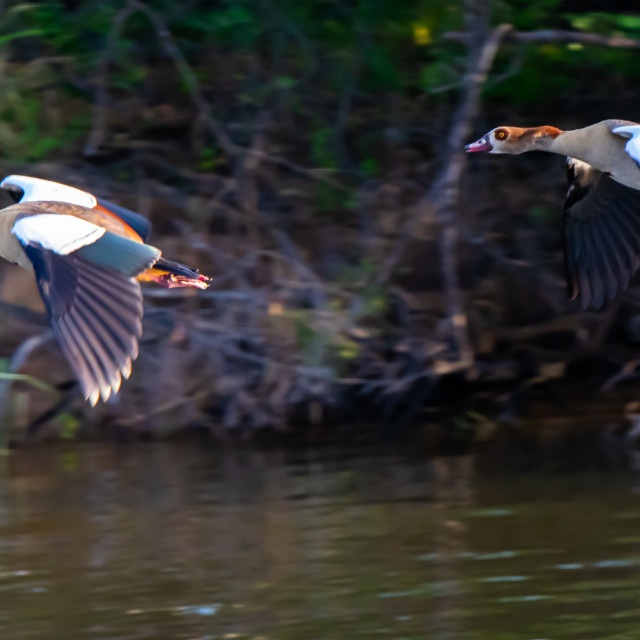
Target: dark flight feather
(137, 222)
(96, 315)
(602, 234)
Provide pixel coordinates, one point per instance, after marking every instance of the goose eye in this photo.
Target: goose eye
(501, 134)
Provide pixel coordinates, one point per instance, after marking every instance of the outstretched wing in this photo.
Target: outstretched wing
(86, 279)
(602, 234)
(96, 317)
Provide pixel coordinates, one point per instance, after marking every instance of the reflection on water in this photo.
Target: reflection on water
(166, 542)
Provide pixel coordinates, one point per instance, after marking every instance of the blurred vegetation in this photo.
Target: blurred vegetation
(282, 147)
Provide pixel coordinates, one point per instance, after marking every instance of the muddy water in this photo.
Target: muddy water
(165, 542)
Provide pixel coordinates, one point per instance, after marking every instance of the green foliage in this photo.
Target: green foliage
(68, 425)
(370, 167)
(526, 15)
(436, 75)
(30, 380)
(321, 148)
(310, 340)
(13, 405)
(314, 52)
(323, 336)
(128, 77)
(234, 24)
(562, 69)
(318, 61)
(360, 278)
(606, 23)
(26, 131)
(541, 213)
(208, 158)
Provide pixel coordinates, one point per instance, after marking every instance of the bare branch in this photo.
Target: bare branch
(98, 130)
(629, 370)
(215, 127)
(556, 35)
(479, 66)
(442, 197)
(17, 361)
(193, 86)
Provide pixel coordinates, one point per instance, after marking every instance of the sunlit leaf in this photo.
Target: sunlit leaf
(421, 35)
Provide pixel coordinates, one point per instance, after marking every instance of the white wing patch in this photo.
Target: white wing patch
(37, 190)
(632, 132)
(58, 233)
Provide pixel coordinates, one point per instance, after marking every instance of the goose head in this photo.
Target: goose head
(515, 140)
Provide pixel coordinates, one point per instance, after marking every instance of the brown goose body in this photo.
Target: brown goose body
(10, 247)
(602, 206)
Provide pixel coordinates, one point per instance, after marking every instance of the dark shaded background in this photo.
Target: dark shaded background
(291, 150)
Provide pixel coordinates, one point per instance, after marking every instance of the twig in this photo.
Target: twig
(445, 191)
(193, 86)
(224, 342)
(443, 195)
(17, 361)
(180, 294)
(479, 65)
(556, 35)
(299, 36)
(530, 332)
(99, 127)
(627, 371)
(24, 314)
(204, 109)
(164, 407)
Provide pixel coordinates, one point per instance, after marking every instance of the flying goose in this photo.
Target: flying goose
(602, 206)
(87, 255)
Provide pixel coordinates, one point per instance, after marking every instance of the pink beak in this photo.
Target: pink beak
(479, 145)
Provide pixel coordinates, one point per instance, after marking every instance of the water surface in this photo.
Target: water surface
(160, 541)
